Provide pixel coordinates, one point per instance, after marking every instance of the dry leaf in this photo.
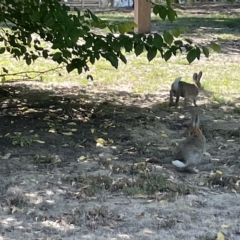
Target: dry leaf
(6, 156)
(207, 154)
(219, 172)
(220, 236)
(72, 130)
(225, 225)
(72, 123)
(52, 130)
(81, 158)
(92, 130)
(39, 141)
(100, 140)
(67, 133)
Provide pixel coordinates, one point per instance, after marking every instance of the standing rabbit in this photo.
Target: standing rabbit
(190, 152)
(185, 90)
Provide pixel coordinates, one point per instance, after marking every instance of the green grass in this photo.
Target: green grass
(220, 72)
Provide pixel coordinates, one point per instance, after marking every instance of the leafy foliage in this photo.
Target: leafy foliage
(46, 29)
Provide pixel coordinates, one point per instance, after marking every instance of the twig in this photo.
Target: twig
(27, 72)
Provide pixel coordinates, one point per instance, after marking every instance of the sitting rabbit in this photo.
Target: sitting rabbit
(190, 151)
(185, 90)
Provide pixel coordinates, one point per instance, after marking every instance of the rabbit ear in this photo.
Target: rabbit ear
(195, 76)
(195, 120)
(199, 76)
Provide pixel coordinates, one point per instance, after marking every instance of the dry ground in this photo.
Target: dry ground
(99, 167)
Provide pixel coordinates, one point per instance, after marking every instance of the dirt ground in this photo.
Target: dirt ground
(80, 186)
(100, 166)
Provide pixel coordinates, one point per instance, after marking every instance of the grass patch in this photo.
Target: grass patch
(144, 184)
(220, 71)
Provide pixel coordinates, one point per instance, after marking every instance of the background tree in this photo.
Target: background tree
(44, 28)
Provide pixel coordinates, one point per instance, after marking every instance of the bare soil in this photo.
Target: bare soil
(81, 186)
(100, 166)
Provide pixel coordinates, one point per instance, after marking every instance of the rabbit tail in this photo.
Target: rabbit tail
(179, 164)
(175, 84)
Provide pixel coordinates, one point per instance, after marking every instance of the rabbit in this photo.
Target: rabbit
(190, 151)
(185, 90)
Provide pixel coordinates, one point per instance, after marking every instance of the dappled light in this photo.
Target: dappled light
(90, 155)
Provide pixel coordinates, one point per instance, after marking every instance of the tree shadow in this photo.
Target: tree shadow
(110, 132)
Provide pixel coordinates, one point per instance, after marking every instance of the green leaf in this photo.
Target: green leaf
(149, 40)
(16, 52)
(192, 55)
(4, 70)
(123, 58)
(36, 16)
(70, 67)
(56, 56)
(92, 59)
(111, 57)
(176, 32)
(129, 26)
(2, 50)
(156, 9)
(157, 41)
(28, 61)
(169, 3)
(215, 47)
(168, 38)
(79, 70)
(50, 22)
(152, 52)
(205, 51)
(178, 43)
(188, 40)
(121, 28)
(127, 43)
(138, 48)
(23, 49)
(45, 53)
(171, 14)
(67, 54)
(167, 55)
(163, 12)
(94, 17)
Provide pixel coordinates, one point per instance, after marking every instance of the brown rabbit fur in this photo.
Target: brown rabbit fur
(185, 90)
(190, 152)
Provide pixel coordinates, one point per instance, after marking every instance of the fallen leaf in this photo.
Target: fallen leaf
(52, 130)
(219, 172)
(207, 154)
(39, 141)
(100, 140)
(72, 123)
(67, 133)
(81, 158)
(6, 156)
(225, 225)
(72, 130)
(164, 135)
(92, 130)
(220, 236)
(30, 110)
(144, 196)
(234, 191)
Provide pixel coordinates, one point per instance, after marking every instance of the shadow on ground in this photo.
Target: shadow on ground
(70, 159)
